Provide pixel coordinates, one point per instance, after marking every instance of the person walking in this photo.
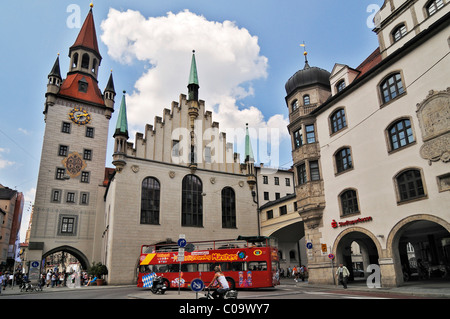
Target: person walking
(342, 273)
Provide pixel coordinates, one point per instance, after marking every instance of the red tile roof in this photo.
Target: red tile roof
(69, 88)
(88, 37)
(371, 61)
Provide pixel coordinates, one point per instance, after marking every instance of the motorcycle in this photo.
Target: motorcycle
(158, 286)
(230, 294)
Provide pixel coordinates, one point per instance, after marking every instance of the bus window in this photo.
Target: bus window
(205, 267)
(257, 265)
(238, 266)
(174, 267)
(188, 267)
(160, 268)
(223, 266)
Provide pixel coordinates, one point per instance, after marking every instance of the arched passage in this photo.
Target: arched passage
(356, 248)
(420, 248)
(291, 245)
(82, 259)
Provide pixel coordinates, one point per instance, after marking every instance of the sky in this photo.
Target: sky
(246, 50)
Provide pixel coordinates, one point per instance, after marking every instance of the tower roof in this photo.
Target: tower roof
(56, 70)
(110, 85)
(87, 38)
(122, 123)
(248, 146)
(193, 77)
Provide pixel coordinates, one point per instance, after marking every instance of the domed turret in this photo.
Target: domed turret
(307, 77)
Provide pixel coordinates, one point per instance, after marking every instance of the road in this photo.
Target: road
(283, 292)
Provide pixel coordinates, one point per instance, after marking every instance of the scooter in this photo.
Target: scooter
(158, 286)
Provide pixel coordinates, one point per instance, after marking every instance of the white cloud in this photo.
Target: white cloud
(228, 60)
(4, 163)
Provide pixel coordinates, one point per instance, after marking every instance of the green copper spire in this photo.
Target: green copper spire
(193, 77)
(193, 81)
(248, 147)
(122, 123)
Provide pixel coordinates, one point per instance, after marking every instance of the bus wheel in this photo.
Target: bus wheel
(231, 282)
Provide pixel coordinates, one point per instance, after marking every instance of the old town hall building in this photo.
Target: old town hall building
(179, 177)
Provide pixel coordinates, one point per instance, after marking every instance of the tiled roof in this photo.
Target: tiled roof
(371, 61)
(87, 37)
(69, 88)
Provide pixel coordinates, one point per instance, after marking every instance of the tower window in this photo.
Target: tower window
(306, 100)
(65, 127)
(310, 134)
(294, 105)
(85, 61)
(75, 61)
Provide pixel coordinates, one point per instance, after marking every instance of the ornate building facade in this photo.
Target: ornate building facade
(371, 150)
(179, 177)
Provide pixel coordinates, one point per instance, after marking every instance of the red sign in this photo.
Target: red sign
(335, 224)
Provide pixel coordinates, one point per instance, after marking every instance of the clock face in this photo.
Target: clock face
(80, 116)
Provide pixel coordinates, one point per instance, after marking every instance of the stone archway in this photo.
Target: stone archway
(84, 262)
(428, 235)
(369, 245)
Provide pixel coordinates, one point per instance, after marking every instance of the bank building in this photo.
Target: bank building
(371, 151)
(162, 185)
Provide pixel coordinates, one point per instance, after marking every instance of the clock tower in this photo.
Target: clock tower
(70, 188)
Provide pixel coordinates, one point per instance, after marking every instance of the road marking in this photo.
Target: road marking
(342, 295)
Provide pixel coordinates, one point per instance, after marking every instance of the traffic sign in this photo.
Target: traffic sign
(197, 285)
(309, 245)
(331, 256)
(182, 242)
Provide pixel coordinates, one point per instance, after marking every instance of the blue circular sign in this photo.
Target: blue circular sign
(35, 264)
(309, 245)
(197, 285)
(181, 242)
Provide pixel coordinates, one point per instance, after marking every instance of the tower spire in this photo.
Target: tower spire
(193, 84)
(305, 53)
(122, 122)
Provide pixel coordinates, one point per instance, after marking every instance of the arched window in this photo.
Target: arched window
(349, 202)
(306, 100)
(343, 160)
(94, 66)
(399, 32)
(85, 61)
(410, 185)
(228, 208)
(75, 61)
(150, 200)
(433, 6)
(400, 134)
(294, 105)
(391, 87)
(338, 121)
(192, 201)
(340, 86)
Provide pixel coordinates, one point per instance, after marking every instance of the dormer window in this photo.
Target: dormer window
(340, 86)
(433, 6)
(399, 32)
(83, 85)
(306, 100)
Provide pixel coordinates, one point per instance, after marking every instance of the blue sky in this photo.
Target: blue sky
(263, 35)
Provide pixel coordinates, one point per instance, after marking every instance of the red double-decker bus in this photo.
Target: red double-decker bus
(247, 262)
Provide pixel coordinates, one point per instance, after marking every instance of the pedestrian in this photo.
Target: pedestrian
(53, 280)
(342, 274)
(48, 278)
(1, 282)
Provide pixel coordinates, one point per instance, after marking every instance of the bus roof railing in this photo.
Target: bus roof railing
(240, 242)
